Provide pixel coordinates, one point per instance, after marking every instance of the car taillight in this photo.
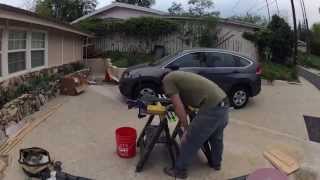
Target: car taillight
(259, 70)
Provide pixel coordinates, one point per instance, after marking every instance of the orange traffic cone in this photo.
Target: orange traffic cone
(107, 77)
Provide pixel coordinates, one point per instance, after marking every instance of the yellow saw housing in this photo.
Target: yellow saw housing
(156, 109)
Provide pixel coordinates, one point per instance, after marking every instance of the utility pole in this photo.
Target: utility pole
(306, 25)
(277, 7)
(268, 10)
(295, 53)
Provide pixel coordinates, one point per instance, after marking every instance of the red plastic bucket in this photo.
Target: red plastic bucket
(126, 142)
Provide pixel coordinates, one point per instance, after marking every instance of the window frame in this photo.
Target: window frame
(5, 51)
(18, 50)
(45, 49)
(179, 58)
(209, 51)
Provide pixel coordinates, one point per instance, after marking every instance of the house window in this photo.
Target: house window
(38, 49)
(17, 44)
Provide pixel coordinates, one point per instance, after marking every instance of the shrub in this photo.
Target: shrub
(315, 39)
(126, 59)
(311, 61)
(141, 27)
(277, 37)
(208, 35)
(272, 71)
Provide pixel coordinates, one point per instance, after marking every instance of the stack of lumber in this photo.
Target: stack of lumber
(18, 137)
(282, 160)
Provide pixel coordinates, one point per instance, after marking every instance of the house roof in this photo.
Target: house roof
(221, 20)
(162, 14)
(122, 5)
(6, 12)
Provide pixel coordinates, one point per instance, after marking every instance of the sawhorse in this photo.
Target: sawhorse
(151, 135)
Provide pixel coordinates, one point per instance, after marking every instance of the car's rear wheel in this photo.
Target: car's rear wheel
(146, 89)
(239, 97)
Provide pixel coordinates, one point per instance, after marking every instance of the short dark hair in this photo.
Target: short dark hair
(165, 74)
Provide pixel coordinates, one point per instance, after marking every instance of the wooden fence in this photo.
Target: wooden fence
(228, 38)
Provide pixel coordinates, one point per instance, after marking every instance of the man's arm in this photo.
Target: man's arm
(179, 110)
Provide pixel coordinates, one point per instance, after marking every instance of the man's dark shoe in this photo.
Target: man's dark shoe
(215, 167)
(175, 173)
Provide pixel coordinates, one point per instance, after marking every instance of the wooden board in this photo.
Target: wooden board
(14, 141)
(282, 161)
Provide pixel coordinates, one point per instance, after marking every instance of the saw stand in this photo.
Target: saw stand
(154, 134)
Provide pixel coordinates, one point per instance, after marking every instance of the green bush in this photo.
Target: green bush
(125, 59)
(315, 39)
(277, 37)
(140, 27)
(272, 71)
(311, 61)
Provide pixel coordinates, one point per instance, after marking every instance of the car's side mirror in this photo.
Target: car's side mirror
(173, 67)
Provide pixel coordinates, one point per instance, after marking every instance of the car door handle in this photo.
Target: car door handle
(235, 71)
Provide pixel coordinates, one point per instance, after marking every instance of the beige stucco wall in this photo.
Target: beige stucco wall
(123, 13)
(63, 48)
(237, 42)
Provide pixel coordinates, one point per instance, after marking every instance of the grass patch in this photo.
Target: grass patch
(125, 59)
(272, 71)
(311, 61)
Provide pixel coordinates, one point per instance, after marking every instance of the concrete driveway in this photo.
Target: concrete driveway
(280, 107)
(81, 135)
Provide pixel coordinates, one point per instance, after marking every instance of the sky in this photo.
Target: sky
(228, 8)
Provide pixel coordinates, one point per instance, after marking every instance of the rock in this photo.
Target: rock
(43, 99)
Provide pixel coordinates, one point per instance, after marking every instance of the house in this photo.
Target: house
(29, 42)
(229, 37)
(122, 11)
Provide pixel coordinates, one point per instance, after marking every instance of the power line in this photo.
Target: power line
(277, 7)
(237, 3)
(268, 9)
(255, 5)
(264, 6)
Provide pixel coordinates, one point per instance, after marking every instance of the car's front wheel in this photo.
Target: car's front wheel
(239, 97)
(145, 89)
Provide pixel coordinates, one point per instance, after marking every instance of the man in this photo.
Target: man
(189, 89)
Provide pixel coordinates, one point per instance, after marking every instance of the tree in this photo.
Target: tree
(315, 39)
(249, 18)
(143, 3)
(196, 8)
(282, 39)
(201, 8)
(277, 38)
(65, 10)
(176, 9)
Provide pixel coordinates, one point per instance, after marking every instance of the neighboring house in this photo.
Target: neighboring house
(29, 42)
(230, 35)
(121, 11)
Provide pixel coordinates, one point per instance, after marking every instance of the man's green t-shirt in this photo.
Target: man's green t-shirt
(194, 90)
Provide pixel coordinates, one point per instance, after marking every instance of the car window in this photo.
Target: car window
(215, 59)
(190, 60)
(240, 62)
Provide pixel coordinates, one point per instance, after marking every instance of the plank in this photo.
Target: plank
(282, 161)
(12, 142)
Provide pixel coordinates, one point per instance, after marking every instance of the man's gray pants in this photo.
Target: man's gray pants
(208, 124)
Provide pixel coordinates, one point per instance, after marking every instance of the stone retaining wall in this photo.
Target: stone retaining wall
(14, 110)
